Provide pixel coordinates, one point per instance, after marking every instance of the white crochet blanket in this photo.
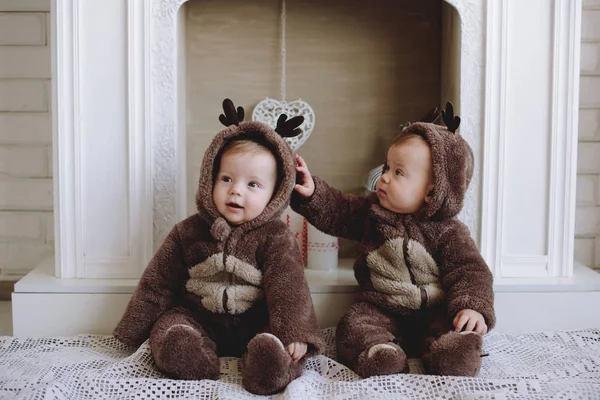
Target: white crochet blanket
(550, 365)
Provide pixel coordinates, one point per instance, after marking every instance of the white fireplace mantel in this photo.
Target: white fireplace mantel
(119, 114)
(119, 119)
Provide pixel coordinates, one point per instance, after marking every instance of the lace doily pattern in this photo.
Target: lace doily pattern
(550, 365)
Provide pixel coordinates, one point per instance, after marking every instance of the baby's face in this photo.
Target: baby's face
(404, 186)
(244, 185)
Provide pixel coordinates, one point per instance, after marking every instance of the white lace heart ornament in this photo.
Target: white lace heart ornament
(269, 110)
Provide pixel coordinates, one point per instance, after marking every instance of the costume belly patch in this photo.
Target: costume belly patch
(404, 270)
(230, 287)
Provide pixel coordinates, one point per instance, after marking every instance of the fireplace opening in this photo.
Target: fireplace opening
(364, 67)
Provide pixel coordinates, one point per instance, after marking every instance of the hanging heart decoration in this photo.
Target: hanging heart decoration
(269, 110)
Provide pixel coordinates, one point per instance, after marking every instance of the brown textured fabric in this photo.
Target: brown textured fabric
(455, 354)
(403, 255)
(267, 367)
(452, 169)
(228, 282)
(465, 278)
(171, 345)
(363, 326)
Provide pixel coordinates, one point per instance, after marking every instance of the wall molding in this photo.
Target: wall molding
(563, 121)
(140, 149)
(65, 139)
(75, 133)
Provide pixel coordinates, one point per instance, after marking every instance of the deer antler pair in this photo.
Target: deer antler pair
(285, 127)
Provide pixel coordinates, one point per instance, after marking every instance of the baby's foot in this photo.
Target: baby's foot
(182, 352)
(266, 365)
(381, 359)
(455, 353)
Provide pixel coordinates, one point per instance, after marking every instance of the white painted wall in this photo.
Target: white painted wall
(26, 221)
(587, 218)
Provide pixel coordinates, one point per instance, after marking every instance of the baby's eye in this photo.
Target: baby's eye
(225, 178)
(253, 185)
(385, 168)
(398, 172)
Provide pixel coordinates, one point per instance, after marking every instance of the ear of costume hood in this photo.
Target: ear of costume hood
(286, 165)
(453, 163)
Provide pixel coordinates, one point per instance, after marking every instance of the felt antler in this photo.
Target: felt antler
(289, 128)
(452, 122)
(231, 117)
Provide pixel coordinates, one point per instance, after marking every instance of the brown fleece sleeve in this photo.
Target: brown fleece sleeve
(465, 276)
(333, 212)
(154, 293)
(291, 313)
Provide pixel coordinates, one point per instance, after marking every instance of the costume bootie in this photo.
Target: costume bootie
(455, 353)
(184, 352)
(381, 359)
(267, 367)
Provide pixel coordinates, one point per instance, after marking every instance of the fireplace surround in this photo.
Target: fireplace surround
(119, 91)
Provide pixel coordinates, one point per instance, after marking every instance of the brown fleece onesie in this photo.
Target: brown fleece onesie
(415, 271)
(212, 288)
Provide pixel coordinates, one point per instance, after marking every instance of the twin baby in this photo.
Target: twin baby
(229, 280)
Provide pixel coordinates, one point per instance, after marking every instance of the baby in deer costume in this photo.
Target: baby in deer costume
(229, 280)
(424, 288)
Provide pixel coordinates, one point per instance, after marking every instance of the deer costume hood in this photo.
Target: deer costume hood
(452, 166)
(229, 282)
(263, 134)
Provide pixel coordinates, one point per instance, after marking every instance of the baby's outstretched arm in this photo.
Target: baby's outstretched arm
(471, 321)
(328, 209)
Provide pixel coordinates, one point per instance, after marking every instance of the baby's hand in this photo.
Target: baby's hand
(297, 350)
(305, 186)
(474, 322)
